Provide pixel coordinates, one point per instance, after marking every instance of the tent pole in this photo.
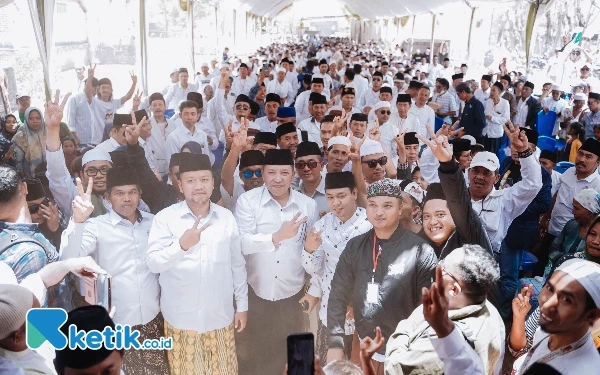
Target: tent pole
(412, 35)
(470, 30)
(431, 53)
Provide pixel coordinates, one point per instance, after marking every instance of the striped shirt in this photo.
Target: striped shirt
(79, 118)
(447, 102)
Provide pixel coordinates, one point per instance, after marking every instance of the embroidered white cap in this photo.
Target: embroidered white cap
(381, 104)
(338, 140)
(95, 154)
(585, 273)
(370, 147)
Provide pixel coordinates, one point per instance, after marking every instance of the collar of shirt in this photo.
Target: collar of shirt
(266, 197)
(141, 141)
(115, 218)
(183, 209)
(320, 188)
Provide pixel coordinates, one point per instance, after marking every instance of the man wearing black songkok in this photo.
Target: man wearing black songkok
(527, 108)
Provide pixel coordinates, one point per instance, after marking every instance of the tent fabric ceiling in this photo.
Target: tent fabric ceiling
(373, 9)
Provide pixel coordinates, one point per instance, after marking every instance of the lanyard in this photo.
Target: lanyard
(555, 353)
(375, 258)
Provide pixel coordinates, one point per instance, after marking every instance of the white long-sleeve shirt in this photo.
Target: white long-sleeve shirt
(181, 135)
(119, 248)
(498, 210)
(283, 89)
(426, 116)
(274, 272)
(224, 117)
(177, 94)
(321, 263)
(198, 286)
(368, 99)
(482, 96)
(313, 128)
(242, 86)
(390, 130)
(456, 353)
(500, 115)
(157, 142)
(148, 153)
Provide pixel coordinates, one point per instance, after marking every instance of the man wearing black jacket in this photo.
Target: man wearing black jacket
(473, 113)
(380, 274)
(527, 108)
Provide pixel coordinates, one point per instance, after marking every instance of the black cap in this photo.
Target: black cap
(486, 77)
(410, 138)
(357, 68)
(434, 191)
(272, 98)
(532, 135)
(359, 117)
(457, 76)
(266, 138)
(318, 80)
(547, 154)
(594, 95)
(318, 99)
(499, 86)
(399, 76)
(308, 148)
(307, 79)
(86, 318)
(339, 180)
(121, 176)
(175, 159)
(193, 162)
(459, 146)
(384, 63)
(251, 157)
(119, 157)
(156, 96)
(284, 129)
(591, 145)
(322, 61)
(328, 118)
(463, 65)
(243, 65)
(348, 91)
(279, 157)
(415, 85)
(35, 189)
(403, 98)
(196, 97)
(529, 84)
(243, 98)
(254, 108)
(507, 78)
(385, 89)
(378, 74)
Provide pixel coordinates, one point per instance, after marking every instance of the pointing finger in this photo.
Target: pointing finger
(89, 187)
(202, 228)
(197, 222)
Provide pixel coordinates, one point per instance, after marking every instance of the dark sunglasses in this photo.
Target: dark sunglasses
(249, 173)
(302, 164)
(34, 208)
(575, 53)
(385, 112)
(373, 163)
(244, 107)
(587, 69)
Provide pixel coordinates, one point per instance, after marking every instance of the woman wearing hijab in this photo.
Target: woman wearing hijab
(192, 147)
(6, 151)
(10, 125)
(30, 142)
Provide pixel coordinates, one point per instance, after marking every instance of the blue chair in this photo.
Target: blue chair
(560, 144)
(502, 155)
(528, 261)
(546, 123)
(547, 143)
(169, 113)
(438, 123)
(562, 166)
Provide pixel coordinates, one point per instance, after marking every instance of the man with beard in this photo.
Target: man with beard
(195, 247)
(379, 274)
(268, 123)
(325, 243)
(273, 221)
(309, 164)
(118, 240)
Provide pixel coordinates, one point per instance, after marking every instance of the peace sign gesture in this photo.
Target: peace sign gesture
(374, 132)
(518, 139)
(440, 147)
(137, 99)
(313, 240)
(240, 137)
(228, 134)
(133, 77)
(355, 148)
(53, 113)
(82, 204)
(132, 132)
(192, 236)
(91, 71)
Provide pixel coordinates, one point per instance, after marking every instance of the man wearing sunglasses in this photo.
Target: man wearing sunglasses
(592, 118)
(375, 163)
(309, 166)
(43, 211)
(241, 109)
(468, 274)
(591, 82)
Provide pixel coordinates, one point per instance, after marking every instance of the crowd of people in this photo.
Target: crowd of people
(386, 202)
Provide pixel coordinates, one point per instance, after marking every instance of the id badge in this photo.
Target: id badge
(372, 292)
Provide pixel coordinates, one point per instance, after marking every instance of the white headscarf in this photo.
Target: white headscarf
(589, 199)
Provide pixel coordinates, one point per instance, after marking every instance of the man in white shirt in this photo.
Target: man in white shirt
(497, 113)
(360, 82)
(117, 133)
(548, 160)
(118, 240)
(555, 103)
(161, 128)
(371, 96)
(190, 131)
(203, 79)
(348, 97)
(243, 82)
(273, 220)
(399, 85)
(178, 92)
(312, 125)
(446, 71)
(326, 241)
(195, 247)
(406, 122)
(310, 167)
(79, 118)
(302, 112)
(322, 73)
(527, 107)
(483, 92)
(387, 76)
(268, 123)
(102, 104)
(145, 134)
(423, 112)
(281, 87)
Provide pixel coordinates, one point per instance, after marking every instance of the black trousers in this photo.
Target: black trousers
(543, 255)
(262, 346)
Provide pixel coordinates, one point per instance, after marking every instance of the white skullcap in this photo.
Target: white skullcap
(281, 70)
(556, 88)
(95, 154)
(589, 199)
(470, 139)
(585, 273)
(381, 104)
(415, 191)
(204, 64)
(580, 96)
(224, 65)
(15, 301)
(370, 147)
(338, 140)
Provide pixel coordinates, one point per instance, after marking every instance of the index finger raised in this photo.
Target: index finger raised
(197, 222)
(424, 140)
(89, 187)
(79, 186)
(430, 131)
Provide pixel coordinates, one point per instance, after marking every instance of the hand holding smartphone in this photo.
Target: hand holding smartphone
(97, 290)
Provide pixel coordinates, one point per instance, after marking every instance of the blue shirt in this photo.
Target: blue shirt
(589, 121)
(473, 118)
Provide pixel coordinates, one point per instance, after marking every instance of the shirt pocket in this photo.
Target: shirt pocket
(219, 246)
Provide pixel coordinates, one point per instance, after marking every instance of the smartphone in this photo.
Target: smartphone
(97, 291)
(301, 354)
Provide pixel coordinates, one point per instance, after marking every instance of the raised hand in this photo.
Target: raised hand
(228, 134)
(289, 229)
(355, 148)
(441, 148)
(435, 306)
(137, 99)
(518, 139)
(338, 124)
(82, 204)
(224, 79)
(50, 213)
(520, 304)
(133, 77)
(91, 71)
(53, 112)
(369, 346)
(374, 132)
(192, 236)
(313, 240)
(132, 132)
(240, 137)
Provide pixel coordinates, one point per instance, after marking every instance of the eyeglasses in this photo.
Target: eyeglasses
(586, 69)
(94, 171)
(575, 53)
(34, 208)
(244, 107)
(302, 164)
(373, 163)
(249, 173)
(385, 112)
(591, 102)
(445, 271)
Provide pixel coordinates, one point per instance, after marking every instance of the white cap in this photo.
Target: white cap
(556, 88)
(370, 147)
(381, 104)
(281, 70)
(580, 96)
(470, 139)
(338, 140)
(204, 64)
(415, 191)
(224, 65)
(585, 273)
(174, 70)
(96, 154)
(15, 301)
(19, 96)
(487, 160)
